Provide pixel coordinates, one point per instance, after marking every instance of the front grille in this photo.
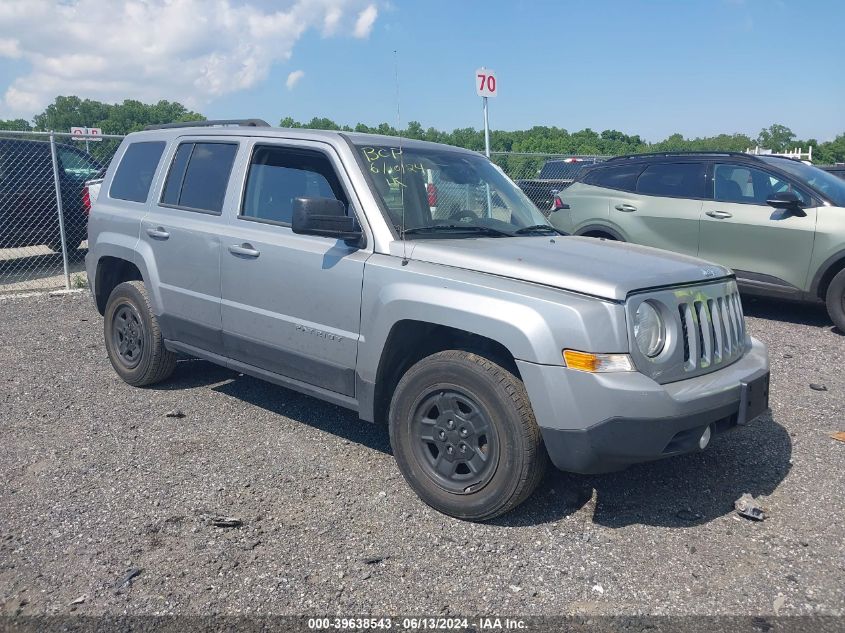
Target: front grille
(713, 330)
(705, 330)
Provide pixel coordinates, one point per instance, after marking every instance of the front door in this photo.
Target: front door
(768, 248)
(291, 303)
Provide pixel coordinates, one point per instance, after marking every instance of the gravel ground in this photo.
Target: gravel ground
(98, 482)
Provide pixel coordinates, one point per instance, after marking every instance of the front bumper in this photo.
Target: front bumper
(594, 423)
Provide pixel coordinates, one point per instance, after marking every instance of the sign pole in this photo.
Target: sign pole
(57, 183)
(486, 130)
(485, 86)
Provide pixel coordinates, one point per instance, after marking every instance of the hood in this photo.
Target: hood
(586, 265)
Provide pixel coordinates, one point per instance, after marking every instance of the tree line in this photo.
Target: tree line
(131, 116)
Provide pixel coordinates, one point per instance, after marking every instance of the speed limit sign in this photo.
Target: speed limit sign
(485, 82)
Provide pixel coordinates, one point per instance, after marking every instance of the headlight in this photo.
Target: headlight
(649, 330)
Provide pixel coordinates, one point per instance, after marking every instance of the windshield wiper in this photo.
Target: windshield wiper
(537, 229)
(456, 228)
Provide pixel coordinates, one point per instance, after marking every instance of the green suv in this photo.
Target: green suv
(778, 222)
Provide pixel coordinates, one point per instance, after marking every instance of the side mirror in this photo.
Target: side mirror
(325, 217)
(787, 200)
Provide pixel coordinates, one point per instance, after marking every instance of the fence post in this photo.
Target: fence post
(58, 186)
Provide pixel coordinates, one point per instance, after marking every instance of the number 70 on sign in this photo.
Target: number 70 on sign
(485, 83)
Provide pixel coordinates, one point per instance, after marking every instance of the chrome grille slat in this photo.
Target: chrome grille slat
(717, 330)
(706, 334)
(726, 319)
(692, 337)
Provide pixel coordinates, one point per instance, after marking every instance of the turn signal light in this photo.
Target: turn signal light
(585, 361)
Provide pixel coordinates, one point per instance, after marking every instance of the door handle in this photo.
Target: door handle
(627, 208)
(158, 233)
(244, 250)
(719, 215)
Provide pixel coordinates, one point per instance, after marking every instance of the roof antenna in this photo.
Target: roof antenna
(401, 161)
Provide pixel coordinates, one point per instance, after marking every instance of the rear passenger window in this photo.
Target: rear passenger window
(277, 175)
(622, 177)
(199, 175)
(135, 173)
(677, 180)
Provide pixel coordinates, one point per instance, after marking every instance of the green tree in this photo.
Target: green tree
(15, 124)
(777, 138)
(554, 140)
(118, 118)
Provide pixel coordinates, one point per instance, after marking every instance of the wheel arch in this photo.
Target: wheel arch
(586, 231)
(112, 271)
(825, 274)
(411, 340)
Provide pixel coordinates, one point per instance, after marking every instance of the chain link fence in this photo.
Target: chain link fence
(540, 176)
(44, 201)
(44, 206)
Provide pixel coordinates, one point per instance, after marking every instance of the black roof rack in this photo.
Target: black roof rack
(211, 123)
(682, 153)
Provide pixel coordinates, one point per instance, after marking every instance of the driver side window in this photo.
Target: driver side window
(277, 175)
(748, 185)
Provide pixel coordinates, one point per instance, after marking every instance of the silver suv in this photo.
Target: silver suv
(415, 284)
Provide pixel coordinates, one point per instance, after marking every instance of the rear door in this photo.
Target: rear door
(589, 200)
(291, 303)
(182, 233)
(768, 248)
(664, 209)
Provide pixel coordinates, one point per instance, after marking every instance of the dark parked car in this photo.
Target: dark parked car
(28, 210)
(555, 175)
(836, 170)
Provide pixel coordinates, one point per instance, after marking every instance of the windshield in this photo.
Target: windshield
(823, 182)
(446, 193)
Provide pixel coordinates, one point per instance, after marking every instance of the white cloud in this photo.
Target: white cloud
(185, 50)
(365, 21)
(294, 78)
(9, 48)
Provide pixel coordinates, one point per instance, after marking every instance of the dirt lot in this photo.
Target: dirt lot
(98, 486)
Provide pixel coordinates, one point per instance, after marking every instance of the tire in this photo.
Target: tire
(601, 236)
(133, 338)
(502, 458)
(835, 300)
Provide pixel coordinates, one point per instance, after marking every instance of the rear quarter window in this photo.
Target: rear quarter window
(622, 177)
(134, 174)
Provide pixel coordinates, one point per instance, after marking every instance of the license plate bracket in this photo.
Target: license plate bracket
(754, 399)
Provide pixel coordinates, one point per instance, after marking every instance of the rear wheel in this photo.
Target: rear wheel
(600, 235)
(464, 435)
(835, 300)
(133, 338)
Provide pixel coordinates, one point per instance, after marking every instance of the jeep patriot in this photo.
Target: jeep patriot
(415, 284)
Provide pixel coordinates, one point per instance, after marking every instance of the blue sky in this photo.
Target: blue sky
(650, 68)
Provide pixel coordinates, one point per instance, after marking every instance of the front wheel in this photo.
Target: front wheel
(835, 300)
(464, 435)
(133, 338)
